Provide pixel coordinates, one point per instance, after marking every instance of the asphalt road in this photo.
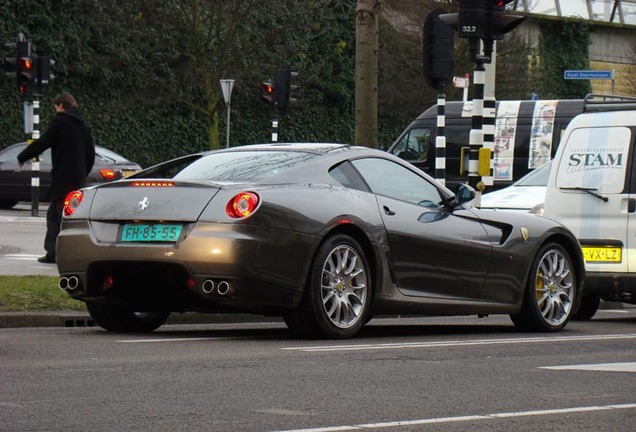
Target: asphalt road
(425, 374)
(400, 374)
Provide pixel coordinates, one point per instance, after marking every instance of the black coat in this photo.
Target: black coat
(72, 152)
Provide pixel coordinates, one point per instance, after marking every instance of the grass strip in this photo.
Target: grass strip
(34, 293)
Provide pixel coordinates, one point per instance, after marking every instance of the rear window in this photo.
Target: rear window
(242, 166)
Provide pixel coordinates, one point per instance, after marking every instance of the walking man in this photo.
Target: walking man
(72, 156)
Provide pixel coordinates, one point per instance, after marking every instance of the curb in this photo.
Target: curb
(79, 319)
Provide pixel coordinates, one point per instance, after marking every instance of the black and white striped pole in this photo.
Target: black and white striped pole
(438, 65)
(476, 137)
(275, 128)
(35, 165)
(31, 126)
(440, 140)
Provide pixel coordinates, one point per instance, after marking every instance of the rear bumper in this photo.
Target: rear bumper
(259, 268)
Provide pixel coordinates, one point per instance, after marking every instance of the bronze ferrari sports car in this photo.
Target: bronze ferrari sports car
(325, 235)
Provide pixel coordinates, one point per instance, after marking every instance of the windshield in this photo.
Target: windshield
(538, 177)
(242, 166)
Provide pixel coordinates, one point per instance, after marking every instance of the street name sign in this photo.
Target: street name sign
(589, 74)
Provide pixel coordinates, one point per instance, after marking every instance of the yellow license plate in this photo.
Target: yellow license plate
(126, 173)
(602, 254)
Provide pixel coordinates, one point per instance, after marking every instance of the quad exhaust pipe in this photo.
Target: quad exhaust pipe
(68, 283)
(218, 288)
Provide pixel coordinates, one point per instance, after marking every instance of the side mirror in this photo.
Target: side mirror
(463, 194)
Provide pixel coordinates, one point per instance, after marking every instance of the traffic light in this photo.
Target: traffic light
(499, 23)
(43, 71)
(284, 89)
(25, 72)
(8, 65)
(482, 19)
(267, 93)
(19, 64)
(438, 53)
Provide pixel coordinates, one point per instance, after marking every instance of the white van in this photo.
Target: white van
(592, 191)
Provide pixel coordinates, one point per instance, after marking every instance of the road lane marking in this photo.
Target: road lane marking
(602, 367)
(457, 343)
(20, 256)
(177, 339)
(439, 420)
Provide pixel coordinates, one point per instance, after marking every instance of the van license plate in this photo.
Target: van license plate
(602, 254)
(150, 233)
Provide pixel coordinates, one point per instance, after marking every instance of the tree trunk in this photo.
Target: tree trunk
(367, 72)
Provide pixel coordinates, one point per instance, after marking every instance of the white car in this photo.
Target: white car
(525, 195)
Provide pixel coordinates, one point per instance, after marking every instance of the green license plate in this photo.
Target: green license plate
(150, 233)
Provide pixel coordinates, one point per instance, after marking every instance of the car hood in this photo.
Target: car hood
(514, 198)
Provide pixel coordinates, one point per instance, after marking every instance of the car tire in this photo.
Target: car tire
(550, 292)
(337, 297)
(587, 309)
(124, 320)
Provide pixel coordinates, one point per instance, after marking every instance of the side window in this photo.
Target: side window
(392, 180)
(414, 144)
(347, 176)
(595, 159)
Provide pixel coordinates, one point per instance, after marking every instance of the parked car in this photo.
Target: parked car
(324, 235)
(15, 182)
(525, 195)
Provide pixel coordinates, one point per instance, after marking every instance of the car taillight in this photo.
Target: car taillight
(107, 174)
(72, 202)
(242, 205)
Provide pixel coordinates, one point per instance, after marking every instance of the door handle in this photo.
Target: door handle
(388, 211)
(631, 205)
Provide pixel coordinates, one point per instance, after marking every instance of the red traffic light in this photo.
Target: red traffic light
(25, 64)
(267, 93)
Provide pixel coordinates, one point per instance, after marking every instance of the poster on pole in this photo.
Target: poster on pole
(505, 132)
(541, 133)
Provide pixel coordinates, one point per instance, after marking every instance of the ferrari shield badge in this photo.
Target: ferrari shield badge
(524, 233)
(143, 204)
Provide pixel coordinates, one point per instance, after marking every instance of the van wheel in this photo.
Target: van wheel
(550, 291)
(587, 309)
(337, 297)
(125, 320)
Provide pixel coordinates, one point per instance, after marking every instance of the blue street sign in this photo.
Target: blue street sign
(588, 74)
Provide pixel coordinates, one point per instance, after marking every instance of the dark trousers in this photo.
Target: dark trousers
(53, 222)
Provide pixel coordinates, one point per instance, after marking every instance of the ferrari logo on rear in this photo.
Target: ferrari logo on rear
(524, 232)
(143, 204)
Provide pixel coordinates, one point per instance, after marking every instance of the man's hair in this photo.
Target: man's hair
(66, 99)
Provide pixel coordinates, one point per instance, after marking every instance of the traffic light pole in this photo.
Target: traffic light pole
(275, 128)
(476, 138)
(440, 140)
(35, 162)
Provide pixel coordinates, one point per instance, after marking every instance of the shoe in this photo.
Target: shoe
(47, 259)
